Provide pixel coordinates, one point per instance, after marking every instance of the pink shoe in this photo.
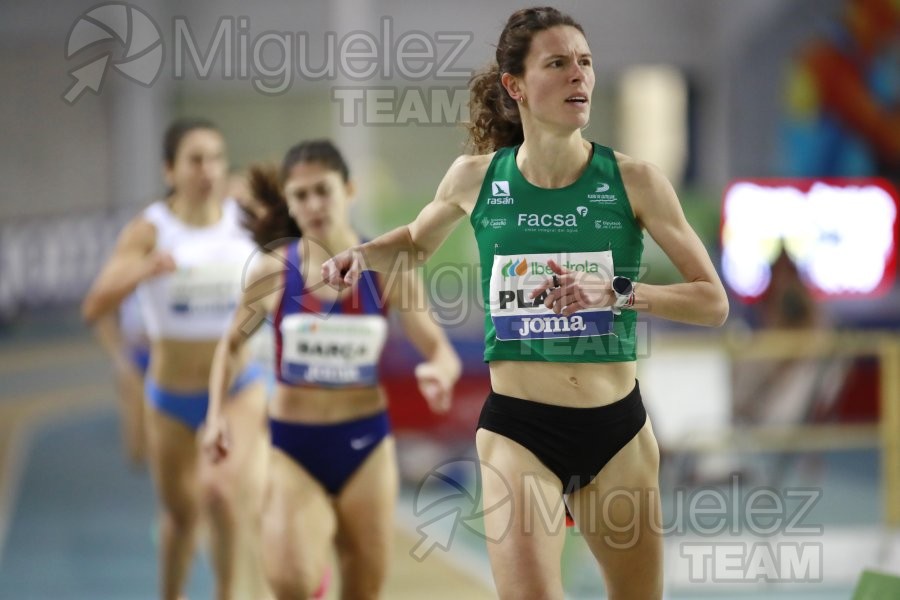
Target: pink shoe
(323, 586)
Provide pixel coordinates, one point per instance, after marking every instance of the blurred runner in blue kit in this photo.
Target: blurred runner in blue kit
(184, 256)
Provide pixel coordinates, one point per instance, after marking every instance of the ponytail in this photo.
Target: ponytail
(495, 120)
(273, 225)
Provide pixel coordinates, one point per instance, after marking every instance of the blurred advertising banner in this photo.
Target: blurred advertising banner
(48, 262)
(841, 233)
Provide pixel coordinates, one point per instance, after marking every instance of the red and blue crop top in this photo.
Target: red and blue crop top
(324, 343)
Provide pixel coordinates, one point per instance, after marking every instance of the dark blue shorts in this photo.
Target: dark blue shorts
(331, 453)
(190, 407)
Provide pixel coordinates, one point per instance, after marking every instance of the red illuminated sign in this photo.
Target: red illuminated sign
(841, 233)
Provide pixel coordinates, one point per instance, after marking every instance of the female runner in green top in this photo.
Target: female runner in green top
(559, 226)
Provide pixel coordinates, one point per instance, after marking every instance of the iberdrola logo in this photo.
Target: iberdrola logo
(515, 267)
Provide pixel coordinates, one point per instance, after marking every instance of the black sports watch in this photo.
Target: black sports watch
(623, 288)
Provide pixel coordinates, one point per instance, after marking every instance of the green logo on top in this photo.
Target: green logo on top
(514, 267)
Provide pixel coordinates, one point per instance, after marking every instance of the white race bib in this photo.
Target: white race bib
(204, 291)
(333, 351)
(516, 316)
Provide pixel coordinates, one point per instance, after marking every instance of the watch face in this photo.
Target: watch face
(622, 286)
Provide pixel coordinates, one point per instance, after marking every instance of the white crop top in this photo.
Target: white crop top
(198, 299)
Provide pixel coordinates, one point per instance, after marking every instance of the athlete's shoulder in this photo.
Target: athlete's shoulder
(139, 232)
(157, 208)
(264, 277)
(466, 173)
(639, 174)
(471, 166)
(265, 265)
(160, 215)
(649, 190)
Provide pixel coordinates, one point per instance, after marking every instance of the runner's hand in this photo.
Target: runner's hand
(343, 270)
(436, 386)
(216, 441)
(570, 291)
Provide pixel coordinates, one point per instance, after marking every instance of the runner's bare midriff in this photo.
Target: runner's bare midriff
(318, 405)
(579, 385)
(181, 365)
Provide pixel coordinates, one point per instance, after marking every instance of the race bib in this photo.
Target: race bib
(516, 316)
(207, 290)
(334, 351)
